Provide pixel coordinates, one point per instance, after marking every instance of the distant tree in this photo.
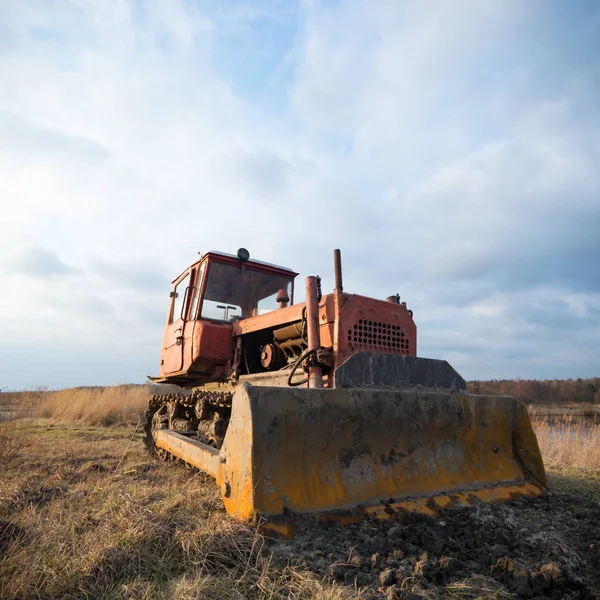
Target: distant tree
(534, 391)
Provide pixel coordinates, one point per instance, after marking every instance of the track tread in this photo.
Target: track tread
(197, 397)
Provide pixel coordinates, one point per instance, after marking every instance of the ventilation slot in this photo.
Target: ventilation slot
(376, 336)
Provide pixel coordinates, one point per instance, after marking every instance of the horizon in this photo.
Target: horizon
(43, 389)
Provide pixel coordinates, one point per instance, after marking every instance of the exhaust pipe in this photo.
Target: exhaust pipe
(315, 373)
(337, 267)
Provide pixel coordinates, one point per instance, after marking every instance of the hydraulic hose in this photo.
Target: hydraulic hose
(302, 358)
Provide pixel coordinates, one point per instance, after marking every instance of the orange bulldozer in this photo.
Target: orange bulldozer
(323, 407)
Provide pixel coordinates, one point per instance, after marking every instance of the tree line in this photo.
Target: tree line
(534, 391)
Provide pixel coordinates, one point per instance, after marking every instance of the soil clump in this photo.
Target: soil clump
(548, 547)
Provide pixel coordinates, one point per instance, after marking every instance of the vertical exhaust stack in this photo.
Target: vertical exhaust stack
(337, 267)
(315, 374)
(338, 292)
(338, 299)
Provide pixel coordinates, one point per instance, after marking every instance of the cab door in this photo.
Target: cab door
(173, 351)
(194, 300)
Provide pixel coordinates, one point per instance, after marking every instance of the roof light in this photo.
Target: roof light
(243, 254)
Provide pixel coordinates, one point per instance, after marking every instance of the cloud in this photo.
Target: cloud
(38, 262)
(262, 175)
(449, 149)
(528, 212)
(134, 275)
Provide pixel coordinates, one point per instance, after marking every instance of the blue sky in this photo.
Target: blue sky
(450, 149)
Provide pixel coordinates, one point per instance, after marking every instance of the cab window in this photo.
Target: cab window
(235, 292)
(270, 303)
(196, 292)
(179, 297)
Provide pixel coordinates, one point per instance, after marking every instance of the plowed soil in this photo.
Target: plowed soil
(543, 548)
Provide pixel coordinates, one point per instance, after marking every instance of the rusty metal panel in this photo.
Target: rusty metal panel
(319, 450)
(327, 320)
(212, 342)
(370, 325)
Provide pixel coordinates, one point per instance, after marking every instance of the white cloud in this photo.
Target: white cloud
(38, 262)
(491, 307)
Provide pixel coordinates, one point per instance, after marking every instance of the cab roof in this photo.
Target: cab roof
(232, 259)
(250, 261)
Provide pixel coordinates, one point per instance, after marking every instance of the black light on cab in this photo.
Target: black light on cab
(243, 254)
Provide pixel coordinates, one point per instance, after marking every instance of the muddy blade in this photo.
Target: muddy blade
(317, 451)
(369, 451)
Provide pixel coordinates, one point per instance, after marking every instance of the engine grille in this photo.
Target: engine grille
(377, 336)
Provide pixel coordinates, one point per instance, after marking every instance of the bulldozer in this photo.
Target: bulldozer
(323, 406)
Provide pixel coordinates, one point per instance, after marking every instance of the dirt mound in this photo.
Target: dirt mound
(543, 548)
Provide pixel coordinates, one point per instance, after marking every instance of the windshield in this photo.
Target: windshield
(233, 292)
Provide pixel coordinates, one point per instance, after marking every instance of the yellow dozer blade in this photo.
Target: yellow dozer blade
(372, 451)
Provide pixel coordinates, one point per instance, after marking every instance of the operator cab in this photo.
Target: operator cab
(208, 297)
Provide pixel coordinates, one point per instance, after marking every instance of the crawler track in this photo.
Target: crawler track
(200, 414)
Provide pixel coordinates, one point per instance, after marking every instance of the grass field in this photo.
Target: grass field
(122, 405)
(85, 512)
(568, 442)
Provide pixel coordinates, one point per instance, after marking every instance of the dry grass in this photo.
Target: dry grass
(85, 406)
(9, 442)
(86, 513)
(582, 483)
(478, 587)
(568, 442)
(583, 409)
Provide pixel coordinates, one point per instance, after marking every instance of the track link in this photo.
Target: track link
(200, 414)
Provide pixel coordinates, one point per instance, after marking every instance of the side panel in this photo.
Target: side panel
(327, 320)
(212, 343)
(370, 325)
(173, 347)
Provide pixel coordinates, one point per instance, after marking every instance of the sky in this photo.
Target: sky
(449, 149)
